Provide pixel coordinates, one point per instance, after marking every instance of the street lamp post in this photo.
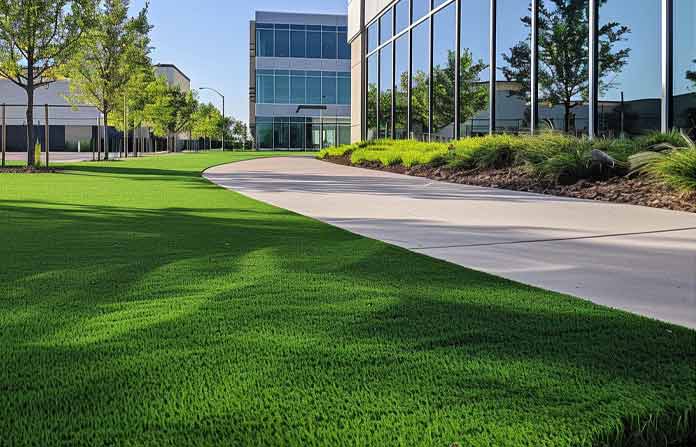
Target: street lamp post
(223, 111)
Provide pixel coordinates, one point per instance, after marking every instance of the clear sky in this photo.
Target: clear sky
(209, 41)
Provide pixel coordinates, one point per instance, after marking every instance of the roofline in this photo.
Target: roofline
(175, 68)
(295, 13)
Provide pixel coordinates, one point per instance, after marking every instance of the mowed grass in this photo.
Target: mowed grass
(142, 305)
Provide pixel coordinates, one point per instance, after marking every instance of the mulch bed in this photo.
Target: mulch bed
(27, 170)
(634, 191)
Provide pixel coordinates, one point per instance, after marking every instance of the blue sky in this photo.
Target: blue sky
(209, 41)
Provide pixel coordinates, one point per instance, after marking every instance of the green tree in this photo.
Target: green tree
(109, 54)
(36, 38)
(135, 101)
(473, 94)
(691, 75)
(207, 122)
(564, 55)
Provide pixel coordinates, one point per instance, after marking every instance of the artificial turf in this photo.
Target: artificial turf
(141, 305)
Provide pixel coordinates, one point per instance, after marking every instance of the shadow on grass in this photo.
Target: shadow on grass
(251, 325)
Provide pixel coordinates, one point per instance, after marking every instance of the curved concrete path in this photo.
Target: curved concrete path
(634, 258)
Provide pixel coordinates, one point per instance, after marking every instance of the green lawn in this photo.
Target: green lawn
(141, 305)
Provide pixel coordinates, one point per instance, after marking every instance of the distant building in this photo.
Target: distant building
(299, 80)
(70, 128)
(175, 77)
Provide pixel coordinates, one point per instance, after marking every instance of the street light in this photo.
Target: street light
(223, 111)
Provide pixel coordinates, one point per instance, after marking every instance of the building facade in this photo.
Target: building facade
(299, 81)
(614, 68)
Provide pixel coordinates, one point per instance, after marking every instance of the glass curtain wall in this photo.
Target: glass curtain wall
(512, 95)
(300, 41)
(386, 82)
(629, 68)
(685, 66)
(444, 24)
(420, 9)
(563, 82)
(298, 133)
(475, 71)
(420, 81)
(401, 16)
(401, 87)
(302, 87)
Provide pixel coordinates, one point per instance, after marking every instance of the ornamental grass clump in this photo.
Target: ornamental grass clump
(676, 169)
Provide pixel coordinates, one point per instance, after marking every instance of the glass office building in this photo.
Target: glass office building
(300, 90)
(446, 69)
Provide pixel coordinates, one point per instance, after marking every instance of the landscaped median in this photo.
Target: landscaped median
(657, 170)
(142, 305)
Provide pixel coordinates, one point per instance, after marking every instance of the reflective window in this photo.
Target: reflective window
(386, 28)
(313, 43)
(343, 134)
(685, 66)
(298, 43)
(343, 89)
(629, 69)
(281, 134)
(443, 76)
(512, 79)
(265, 87)
(298, 90)
(343, 46)
(282, 88)
(385, 91)
(401, 88)
(297, 135)
(401, 16)
(437, 3)
(420, 68)
(372, 81)
(563, 67)
(329, 44)
(420, 9)
(264, 135)
(264, 43)
(474, 68)
(328, 88)
(373, 36)
(282, 41)
(314, 88)
(312, 135)
(328, 134)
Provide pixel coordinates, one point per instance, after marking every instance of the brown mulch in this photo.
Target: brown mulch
(635, 191)
(27, 170)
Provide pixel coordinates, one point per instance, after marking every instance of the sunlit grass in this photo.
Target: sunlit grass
(142, 305)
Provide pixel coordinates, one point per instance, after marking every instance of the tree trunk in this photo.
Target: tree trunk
(566, 117)
(106, 135)
(31, 161)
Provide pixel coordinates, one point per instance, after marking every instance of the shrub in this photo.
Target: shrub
(338, 151)
(676, 169)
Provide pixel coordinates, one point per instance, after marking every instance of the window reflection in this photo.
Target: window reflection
(420, 67)
(420, 8)
(474, 68)
(685, 66)
(401, 87)
(282, 41)
(512, 80)
(443, 75)
(372, 81)
(386, 28)
(385, 91)
(629, 69)
(401, 16)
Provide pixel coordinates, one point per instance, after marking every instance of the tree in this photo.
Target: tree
(36, 39)
(473, 95)
(136, 100)
(564, 55)
(110, 52)
(691, 75)
(207, 122)
(240, 133)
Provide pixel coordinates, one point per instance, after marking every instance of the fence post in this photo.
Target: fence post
(4, 134)
(47, 135)
(99, 142)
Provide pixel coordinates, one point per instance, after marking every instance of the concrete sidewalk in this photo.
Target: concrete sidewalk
(634, 258)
